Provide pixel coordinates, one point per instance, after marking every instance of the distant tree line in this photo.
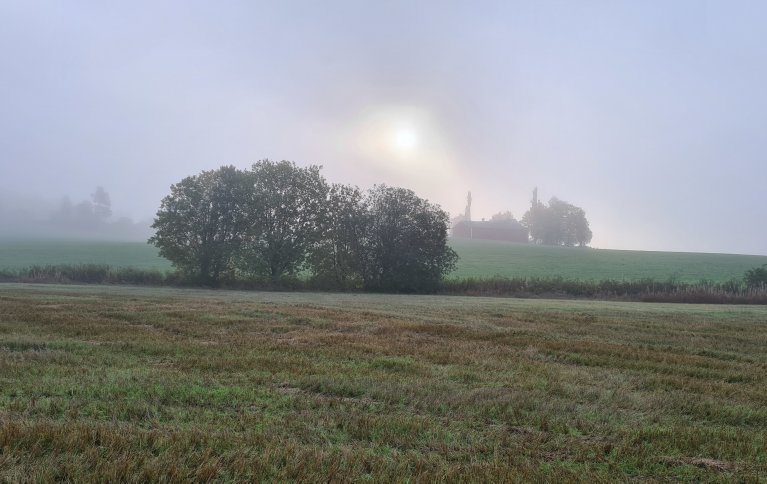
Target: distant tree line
(278, 221)
(31, 216)
(750, 290)
(558, 223)
(85, 214)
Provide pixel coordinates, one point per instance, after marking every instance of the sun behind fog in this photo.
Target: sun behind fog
(402, 139)
(405, 140)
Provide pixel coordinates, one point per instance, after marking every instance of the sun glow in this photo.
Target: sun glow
(397, 135)
(406, 140)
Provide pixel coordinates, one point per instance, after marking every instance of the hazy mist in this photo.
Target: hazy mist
(649, 115)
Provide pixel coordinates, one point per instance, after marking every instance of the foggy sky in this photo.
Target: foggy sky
(650, 115)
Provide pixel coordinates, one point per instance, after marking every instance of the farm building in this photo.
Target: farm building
(506, 230)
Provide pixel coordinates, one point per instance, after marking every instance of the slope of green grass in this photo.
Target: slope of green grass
(21, 254)
(488, 258)
(105, 383)
(478, 259)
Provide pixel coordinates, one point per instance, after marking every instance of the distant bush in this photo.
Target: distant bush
(672, 290)
(756, 277)
(88, 274)
(104, 274)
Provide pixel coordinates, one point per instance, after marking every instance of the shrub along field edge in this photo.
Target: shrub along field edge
(644, 290)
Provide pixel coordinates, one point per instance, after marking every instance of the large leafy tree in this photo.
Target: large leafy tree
(559, 223)
(199, 226)
(405, 244)
(285, 212)
(579, 227)
(336, 259)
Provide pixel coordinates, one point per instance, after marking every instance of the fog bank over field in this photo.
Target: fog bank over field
(648, 115)
(30, 217)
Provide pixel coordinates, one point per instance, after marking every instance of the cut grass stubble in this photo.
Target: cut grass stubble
(114, 383)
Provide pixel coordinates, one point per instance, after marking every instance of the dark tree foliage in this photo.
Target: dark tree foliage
(199, 225)
(278, 219)
(286, 209)
(405, 246)
(756, 277)
(336, 258)
(559, 223)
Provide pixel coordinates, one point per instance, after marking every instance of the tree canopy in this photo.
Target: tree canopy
(280, 220)
(502, 217)
(199, 226)
(336, 259)
(558, 223)
(285, 209)
(405, 243)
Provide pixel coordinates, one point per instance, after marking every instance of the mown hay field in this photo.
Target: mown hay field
(481, 259)
(124, 383)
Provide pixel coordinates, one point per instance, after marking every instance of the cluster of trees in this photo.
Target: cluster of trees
(558, 223)
(88, 213)
(278, 220)
(506, 216)
(92, 218)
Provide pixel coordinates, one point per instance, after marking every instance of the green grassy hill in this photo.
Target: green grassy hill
(478, 259)
(21, 254)
(481, 258)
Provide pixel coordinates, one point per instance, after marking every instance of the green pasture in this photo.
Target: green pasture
(477, 259)
(487, 258)
(21, 254)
